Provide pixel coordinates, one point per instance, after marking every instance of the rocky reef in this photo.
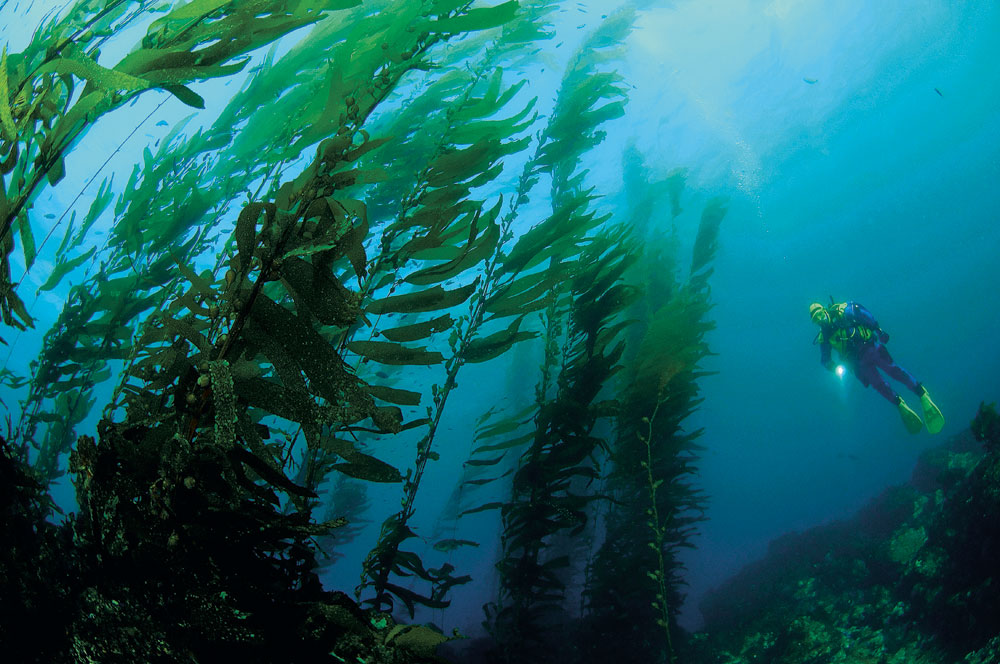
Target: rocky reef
(911, 579)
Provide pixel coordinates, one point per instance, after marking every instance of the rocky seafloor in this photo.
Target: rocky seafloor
(913, 578)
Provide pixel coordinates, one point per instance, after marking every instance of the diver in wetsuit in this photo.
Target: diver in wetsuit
(853, 331)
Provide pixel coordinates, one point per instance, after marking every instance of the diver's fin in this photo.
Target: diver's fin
(932, 414)
(910, 419)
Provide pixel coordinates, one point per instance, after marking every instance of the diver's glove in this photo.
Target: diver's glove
(883, 336)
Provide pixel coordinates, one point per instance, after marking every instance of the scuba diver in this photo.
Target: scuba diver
(860, 342)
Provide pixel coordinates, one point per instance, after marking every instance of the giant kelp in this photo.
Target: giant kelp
(42, 114)
(378, 252)
(633, 582)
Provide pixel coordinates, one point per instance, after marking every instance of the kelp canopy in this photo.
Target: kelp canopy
(287, 296)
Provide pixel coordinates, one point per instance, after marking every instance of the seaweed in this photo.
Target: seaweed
(43, 113)
(634, 579)
(273, 298)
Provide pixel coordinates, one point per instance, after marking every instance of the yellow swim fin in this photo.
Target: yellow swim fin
(932, 414)
(910, 419)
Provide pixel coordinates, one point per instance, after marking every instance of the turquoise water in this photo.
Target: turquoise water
(872, 187)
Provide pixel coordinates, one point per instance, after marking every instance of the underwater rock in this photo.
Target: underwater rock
(911, 578)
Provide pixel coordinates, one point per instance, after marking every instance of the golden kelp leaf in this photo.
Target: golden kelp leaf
(224, 401)
(418, 331)
(315, 356)
(315, 288)
(427, 299)
(371, 469)
(494, 345)
(420, 640)
(390, 353)
(394, 395)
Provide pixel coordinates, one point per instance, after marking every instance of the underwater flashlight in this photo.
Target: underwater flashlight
(840, 370)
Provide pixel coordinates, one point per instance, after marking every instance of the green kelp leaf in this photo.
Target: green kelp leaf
(706, 242)
(7, 126)
(447, 545)
(188, 331)
(197, 9)
(384, 473)
(27, 239)
(61, 269)
(484, 508)
(544, 235)
(199, 283)
(83, 67)
(494, 345)
(57, 171)
(471, 132)
(411, 599)
(186, 95)
(269, 473)
(246, 229)
(477, 250)
(470, 163)
(359, 464)
(96, 209)
(418, 331)
(527, 294)
(224, 401)
(481, 18)
(500, 428)
(427, 299)
(391, 353)
(290, 404)
(394, 395)
(484, 462)
(507, 444)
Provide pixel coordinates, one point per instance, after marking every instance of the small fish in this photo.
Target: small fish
(50, 216)
(582, 25)
(939, 92)
(161, 123)
(810, 81)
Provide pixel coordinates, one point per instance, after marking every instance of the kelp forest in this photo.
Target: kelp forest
(379, 272)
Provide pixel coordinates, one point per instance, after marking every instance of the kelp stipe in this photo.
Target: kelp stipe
(552, 487)
(467, 236)
(633, 582)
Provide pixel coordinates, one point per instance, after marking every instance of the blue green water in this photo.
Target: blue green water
(869, 185)
(858, 144)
